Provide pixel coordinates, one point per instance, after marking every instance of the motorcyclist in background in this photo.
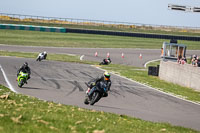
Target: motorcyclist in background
(107, 61)
(25, 68)
(105, 78)
(42, 56)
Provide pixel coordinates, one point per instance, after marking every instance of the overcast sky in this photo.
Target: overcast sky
(134, 11)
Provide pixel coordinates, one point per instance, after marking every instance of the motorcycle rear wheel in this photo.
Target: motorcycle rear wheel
(86, 101)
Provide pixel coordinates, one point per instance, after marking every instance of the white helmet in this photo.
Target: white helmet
(45, 52)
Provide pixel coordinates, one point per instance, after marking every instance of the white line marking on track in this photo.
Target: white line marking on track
(145, 65)
(7, 81)
(81, 58)
(150, 87)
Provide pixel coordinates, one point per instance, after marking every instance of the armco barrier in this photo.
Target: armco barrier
(100, 32)
(32, 28)
(143, 35)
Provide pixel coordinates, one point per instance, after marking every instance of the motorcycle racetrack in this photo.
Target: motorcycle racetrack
(131, 56)
(63, 82)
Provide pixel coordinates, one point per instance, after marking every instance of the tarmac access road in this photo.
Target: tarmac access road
(63, 82)
(131, 56)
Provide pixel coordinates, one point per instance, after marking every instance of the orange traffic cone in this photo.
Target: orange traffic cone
(108, 55)
(140, 56)
(122, 55)
(96, 54)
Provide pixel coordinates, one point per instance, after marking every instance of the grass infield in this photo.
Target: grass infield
(36, 38)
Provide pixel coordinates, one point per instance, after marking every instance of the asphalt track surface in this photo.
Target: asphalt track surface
(131, 56)
(64, 83)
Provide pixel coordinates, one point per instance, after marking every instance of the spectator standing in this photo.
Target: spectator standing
(194, 60)
(182, 60)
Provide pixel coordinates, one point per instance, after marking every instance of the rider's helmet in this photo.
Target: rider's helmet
(25, 64)
(106, 75)
(45, 52)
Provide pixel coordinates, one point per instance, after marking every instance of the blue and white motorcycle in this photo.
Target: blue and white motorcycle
(98, 91)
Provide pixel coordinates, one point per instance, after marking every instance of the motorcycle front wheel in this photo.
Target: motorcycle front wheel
(21, 83)
(95, 98)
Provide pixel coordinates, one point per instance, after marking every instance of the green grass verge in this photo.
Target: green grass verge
(21, 113)
(36, 38)
(55, 57)
(154, 63)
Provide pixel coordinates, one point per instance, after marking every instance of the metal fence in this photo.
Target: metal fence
(56, 20)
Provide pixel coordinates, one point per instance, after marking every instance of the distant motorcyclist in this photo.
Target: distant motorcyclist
(106, 61)
(105, 79)
(45, 54)
(25, 69)
(42, 56)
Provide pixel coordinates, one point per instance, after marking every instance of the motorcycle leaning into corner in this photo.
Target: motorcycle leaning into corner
(22, 79)
(42, 56)
(98, 91)
(105, 62)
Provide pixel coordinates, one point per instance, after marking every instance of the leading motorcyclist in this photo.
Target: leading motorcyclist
(26, 69)
(105, 79)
